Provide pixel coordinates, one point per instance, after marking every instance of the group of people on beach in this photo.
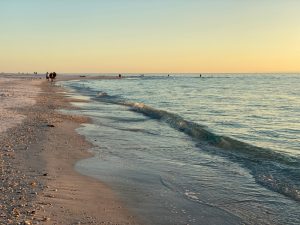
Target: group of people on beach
(51, 76)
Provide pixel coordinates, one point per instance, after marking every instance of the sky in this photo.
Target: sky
(140, 36)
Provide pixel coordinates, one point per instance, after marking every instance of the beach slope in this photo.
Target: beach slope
(39, 147)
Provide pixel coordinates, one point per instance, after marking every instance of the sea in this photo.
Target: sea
(190, 149)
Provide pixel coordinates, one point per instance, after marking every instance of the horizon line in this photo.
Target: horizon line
(62, 72)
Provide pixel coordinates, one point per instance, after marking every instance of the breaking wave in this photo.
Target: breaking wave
(276, 171)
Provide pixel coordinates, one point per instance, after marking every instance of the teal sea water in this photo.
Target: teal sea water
(220, 149)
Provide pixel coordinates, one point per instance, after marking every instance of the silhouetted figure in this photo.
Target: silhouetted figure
(51, 77)
(47, 76)
(120, 76)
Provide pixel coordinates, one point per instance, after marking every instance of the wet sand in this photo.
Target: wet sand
(38, 183)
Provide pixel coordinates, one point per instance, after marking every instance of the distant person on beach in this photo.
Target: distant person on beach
(200, 75)
(51, 77)
(47, 76)
(120, 76)
(54, 75)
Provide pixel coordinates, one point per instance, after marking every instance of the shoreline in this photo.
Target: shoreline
(39, 170)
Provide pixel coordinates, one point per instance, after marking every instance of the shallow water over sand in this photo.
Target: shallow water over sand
(221, 149)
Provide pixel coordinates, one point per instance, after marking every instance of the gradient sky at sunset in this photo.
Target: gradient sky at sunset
(150, 36)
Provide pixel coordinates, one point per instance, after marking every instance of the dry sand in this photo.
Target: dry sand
(37, 154)
(14, 94)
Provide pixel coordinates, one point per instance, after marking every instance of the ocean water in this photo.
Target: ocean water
(220, 149)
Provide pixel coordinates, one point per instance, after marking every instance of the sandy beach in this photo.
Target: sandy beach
(160, 113)
(39, 147)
